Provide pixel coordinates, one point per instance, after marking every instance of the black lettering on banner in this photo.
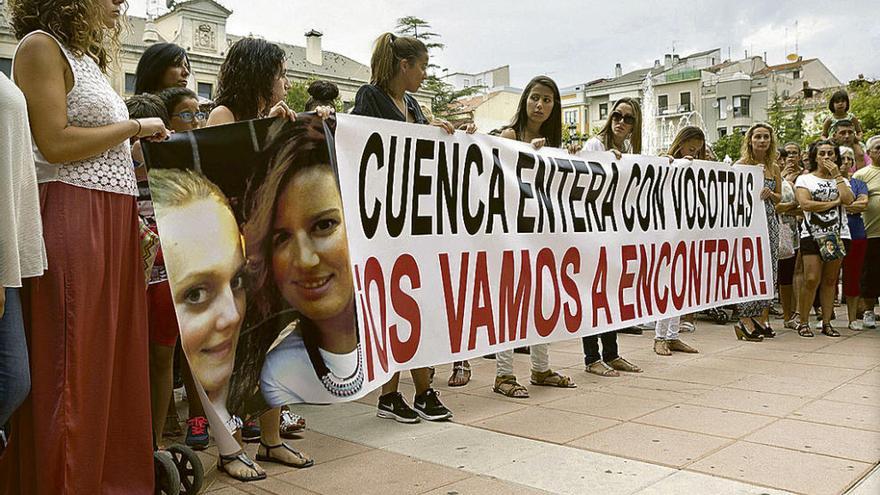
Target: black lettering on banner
(576, 195)
(564, 167)
(394, 222)
(447, 189)
(524, 223)
(597, 182)
(543, 183)
(373, 149)
(496, 194)
(473, 159)
(421, 225)
(629, 214)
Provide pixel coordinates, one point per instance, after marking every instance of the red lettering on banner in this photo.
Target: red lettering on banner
(600, 291)
(662, 301)
(679, 265)
(543, 325)
(734, 278)
(406, 307)
(481, 304)
(709, 248)
(454, 311)
(627, 254)
(513, 307)
(695, 272)
(748, 255)
(373, 276)
(571, 258)
(643, 286)
(761, 279)
(721, 271)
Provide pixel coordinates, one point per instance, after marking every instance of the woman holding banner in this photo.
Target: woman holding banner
(689, 144)
(822, 195)
(622, 133)
(759, 149)
(252, 83)
(538, 121)
(83, 336)
(399, 65)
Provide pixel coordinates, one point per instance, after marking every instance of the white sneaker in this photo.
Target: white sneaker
(687, 327)
(868, 320)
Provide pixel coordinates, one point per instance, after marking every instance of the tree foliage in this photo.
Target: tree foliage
(443, 92)
(788, 125)
(729, 145)
(864, 97)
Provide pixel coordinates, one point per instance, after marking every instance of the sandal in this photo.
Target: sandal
(803, 330)
(269, 458)
(461, 374)
(621, 364)
(600, 368)
(551, 378)
(243, 458)
(828, 330)
(507, 386)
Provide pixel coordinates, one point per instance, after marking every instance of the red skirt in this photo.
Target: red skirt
(85, 428)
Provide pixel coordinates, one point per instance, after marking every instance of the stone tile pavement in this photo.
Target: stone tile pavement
(788, 415)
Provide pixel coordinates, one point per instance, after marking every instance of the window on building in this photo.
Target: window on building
(206, 90)
(740, 106)
(6, 66)
(662, 103)
(467, 83)
(571, 117)
(722, 108)
(130, 82)
(479, 82)
(684, 101)
(796, 74)
(742, 129)
(603, 110)
(722, 131)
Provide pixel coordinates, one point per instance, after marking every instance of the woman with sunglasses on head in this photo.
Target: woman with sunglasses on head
(822, 195)
(759, 150)
(622, 133)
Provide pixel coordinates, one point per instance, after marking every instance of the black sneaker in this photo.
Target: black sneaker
(250, 432)
(428, 406)
(197, 433)
(392, 406)
(631, 330)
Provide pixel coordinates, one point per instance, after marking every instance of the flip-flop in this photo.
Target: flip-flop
(268, 456)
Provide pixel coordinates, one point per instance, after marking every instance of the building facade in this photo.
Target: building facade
(488, 80)
(199, 26)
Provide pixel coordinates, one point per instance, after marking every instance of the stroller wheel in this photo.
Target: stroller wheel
(721, 317)
(167, 476)
(189, 467)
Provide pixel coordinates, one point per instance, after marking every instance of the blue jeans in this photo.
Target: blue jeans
(15, 377)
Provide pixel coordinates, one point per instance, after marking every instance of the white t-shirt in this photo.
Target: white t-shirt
(22, 252)
(595, 144)
(288, 376)
(822, 223)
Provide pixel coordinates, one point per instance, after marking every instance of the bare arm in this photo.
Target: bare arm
(219, 116)
(826, 127)
(846, 194)
(39, 72)
(858, 205)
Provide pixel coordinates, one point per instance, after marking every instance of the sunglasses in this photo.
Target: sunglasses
(189, 116)
(627, 119)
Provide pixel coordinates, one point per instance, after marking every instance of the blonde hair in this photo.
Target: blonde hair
(172, 188)
(685, 134)
(77, 24)
(388, 51)
(748, 156)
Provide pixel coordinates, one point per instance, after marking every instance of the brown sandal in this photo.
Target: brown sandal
(803, 330)
(601, 368)
(828, 330)
(268, 457)
(507, 386)
(461, 374)
(621, 364)
(551, 378)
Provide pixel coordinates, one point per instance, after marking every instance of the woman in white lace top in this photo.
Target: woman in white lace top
(86, 426)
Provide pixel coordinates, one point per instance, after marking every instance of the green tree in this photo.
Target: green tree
(795, 128)
(443, 92)
(298, 95)
(864, 97)
(729, 145)
(776, 117)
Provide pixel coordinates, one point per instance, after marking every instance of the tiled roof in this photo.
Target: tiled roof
(788, 66)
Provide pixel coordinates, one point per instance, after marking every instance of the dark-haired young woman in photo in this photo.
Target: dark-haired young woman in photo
(538, 120)
(252, 84)
(822, 194)
(399, 65)
(622, 133)
(85, 427)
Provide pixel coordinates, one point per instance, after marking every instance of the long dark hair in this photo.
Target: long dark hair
(551, 129)
(247, 77)
(813, 162)
(388, 51)
(153, 64)
(685, 134)
(606, 135)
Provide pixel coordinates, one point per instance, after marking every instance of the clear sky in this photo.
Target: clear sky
(576, 41)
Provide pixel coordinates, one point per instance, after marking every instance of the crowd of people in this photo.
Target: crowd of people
(89, 321)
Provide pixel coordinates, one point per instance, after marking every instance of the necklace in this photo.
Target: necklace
(335, 385)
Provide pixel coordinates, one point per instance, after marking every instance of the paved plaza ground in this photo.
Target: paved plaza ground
(788, 415)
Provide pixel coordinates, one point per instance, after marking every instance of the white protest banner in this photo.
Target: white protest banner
(466, 245)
